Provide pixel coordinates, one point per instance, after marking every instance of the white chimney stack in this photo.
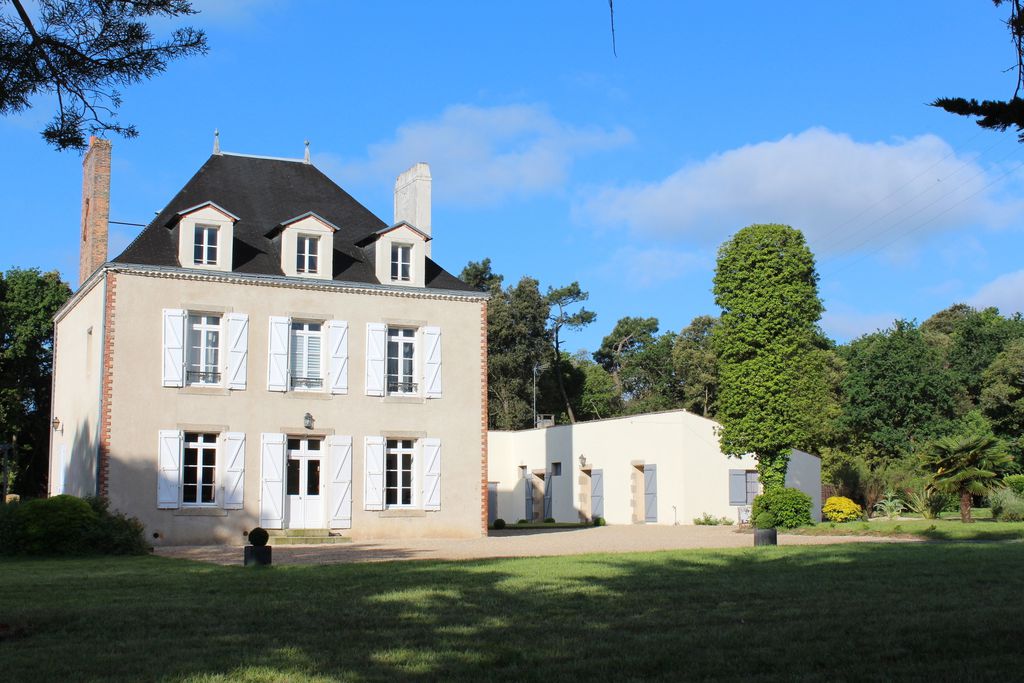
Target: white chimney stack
(412, 199)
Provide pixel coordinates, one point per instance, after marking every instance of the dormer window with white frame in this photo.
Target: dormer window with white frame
(400, 255)
(401, 262)
(206, 237)
(307, 246)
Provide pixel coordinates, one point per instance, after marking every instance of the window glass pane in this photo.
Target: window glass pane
(391, 497)
(209, 458)
(191, 475)
(197, 253)
(191, 457)
(312, 265)
(294, 444)
(292, 482)
(405, 271)
(188, 493)
(406, 497)
(207, 493)
(312, 247)
(313, 477)
(407, 444)
(394, 270)
(208, 475)
(211, 238)
(300, 263)
(392, 443)
(313, 444)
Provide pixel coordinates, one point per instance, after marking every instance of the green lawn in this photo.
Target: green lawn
(853, 612)
(949, 528)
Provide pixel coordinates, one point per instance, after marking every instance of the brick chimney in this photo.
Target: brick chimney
(412, 198)
(95, 207)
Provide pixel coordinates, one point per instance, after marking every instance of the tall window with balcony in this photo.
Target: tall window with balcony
(401, 260)
(305, 356)
(203, 349)
(401, 369)
(306, 254)
(205, 249)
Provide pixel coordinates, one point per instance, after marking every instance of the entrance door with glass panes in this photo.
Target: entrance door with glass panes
(304, 493)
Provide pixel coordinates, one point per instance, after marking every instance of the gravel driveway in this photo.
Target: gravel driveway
(529, 543)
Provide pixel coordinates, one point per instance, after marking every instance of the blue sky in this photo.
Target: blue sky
(558, 160)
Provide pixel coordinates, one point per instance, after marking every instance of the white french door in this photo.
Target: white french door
(303, 484)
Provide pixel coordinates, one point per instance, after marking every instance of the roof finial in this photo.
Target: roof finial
(216, 141)
(306, 158)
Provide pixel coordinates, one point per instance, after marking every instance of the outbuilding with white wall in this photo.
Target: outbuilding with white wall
(656, 468)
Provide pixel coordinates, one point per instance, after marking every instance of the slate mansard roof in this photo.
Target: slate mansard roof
(264, 193)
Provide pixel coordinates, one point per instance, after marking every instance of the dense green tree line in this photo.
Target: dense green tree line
(871, 407)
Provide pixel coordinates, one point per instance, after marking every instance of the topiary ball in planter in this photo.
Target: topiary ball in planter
(499, 523)
(259, 536)
(764, 529)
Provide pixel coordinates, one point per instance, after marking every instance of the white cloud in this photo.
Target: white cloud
(482, 155)
(845, 195)
(1006, 293)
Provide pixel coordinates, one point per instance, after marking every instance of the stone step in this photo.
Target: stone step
(276, 533)
(308, 540)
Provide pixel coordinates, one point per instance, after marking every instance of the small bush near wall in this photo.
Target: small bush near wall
(790, 507)
(710, 520)
(599, 521)
(66, 525)
(499, 524)
(1015, 482)
(841, 509)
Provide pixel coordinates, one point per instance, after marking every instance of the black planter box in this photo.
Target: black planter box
(257, 555)
(766, 537)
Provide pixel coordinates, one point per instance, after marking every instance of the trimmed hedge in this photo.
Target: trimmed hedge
(790, 507)
(66, 525)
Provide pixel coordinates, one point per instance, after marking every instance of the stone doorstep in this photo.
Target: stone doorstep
(307, 540)
(274, 533)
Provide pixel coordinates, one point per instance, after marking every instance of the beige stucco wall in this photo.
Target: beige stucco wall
(141, 406)
(77, 362)
(692, 473)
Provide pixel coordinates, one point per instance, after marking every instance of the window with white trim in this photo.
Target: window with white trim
(199, 469)
(399, 472)
(305, 366)
(205, 245)
(204, 338)
(306, 254)
(401, 262)
(401, 366)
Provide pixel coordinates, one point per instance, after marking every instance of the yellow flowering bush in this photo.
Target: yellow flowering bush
(841, 509)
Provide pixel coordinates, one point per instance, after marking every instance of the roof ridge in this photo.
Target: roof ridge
(261, 156)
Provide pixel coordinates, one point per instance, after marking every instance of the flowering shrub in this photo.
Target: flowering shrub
(841, 509)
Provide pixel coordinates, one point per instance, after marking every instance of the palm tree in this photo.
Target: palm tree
(965, 466)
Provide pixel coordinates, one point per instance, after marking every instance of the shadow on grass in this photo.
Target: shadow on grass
(865, 611)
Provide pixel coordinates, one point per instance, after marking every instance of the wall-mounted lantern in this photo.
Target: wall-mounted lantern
(307, 421)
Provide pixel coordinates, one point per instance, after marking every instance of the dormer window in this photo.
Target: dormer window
(306, 254)
(307, 246)
(205, 251)
(205, 237)
(401, 262)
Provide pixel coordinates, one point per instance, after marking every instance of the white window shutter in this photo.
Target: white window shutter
(431, 474)
(337, 347)
(432, 362)
(234, 470)
(168, 469)
(376, 357)
(277, 357)
(373, 473)
(238, 349)
(174, 348)
(271, 480)
(339, 457)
